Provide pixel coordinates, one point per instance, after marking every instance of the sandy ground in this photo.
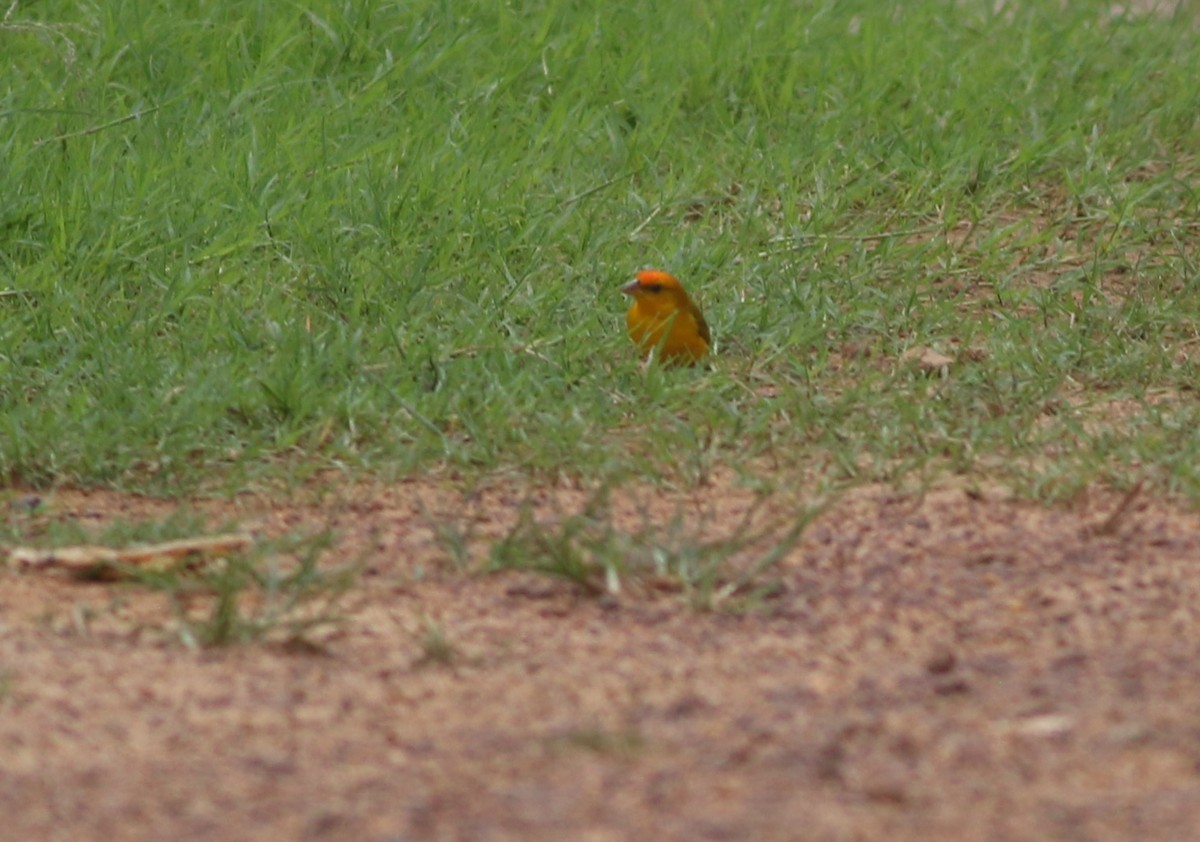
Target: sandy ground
(948, 666)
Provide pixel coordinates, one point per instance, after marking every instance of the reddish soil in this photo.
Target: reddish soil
(947, 666)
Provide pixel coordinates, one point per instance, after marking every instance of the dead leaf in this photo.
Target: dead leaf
(929, 360)
(88, 561)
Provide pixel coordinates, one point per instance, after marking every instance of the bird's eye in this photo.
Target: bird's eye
(655, 288)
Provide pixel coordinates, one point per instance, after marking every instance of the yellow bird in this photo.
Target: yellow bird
(663, 320)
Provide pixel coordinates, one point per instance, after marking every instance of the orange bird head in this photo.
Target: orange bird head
(664, 320)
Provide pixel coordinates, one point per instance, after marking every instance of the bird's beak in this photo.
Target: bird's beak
(630, 288)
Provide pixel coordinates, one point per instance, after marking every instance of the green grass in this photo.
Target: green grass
(242, 238)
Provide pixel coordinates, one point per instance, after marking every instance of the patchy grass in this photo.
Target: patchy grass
(627, 743)
(436, 647)
(277, 592)
(601, 554)
(274, 589)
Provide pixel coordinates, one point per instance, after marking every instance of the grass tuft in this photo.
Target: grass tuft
(275, 589)
(595, 550)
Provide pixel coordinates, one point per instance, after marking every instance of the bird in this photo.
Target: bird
(663, 321)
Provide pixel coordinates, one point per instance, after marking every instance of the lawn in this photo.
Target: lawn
(263, 239)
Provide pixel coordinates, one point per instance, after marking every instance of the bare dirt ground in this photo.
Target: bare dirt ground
(944, 666)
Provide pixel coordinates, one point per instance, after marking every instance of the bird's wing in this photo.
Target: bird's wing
(700, 323)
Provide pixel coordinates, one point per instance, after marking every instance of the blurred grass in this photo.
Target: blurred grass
(273, 590)
(248, 238)
(589, 549)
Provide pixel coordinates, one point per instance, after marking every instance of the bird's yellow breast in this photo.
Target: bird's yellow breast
(678, 335)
